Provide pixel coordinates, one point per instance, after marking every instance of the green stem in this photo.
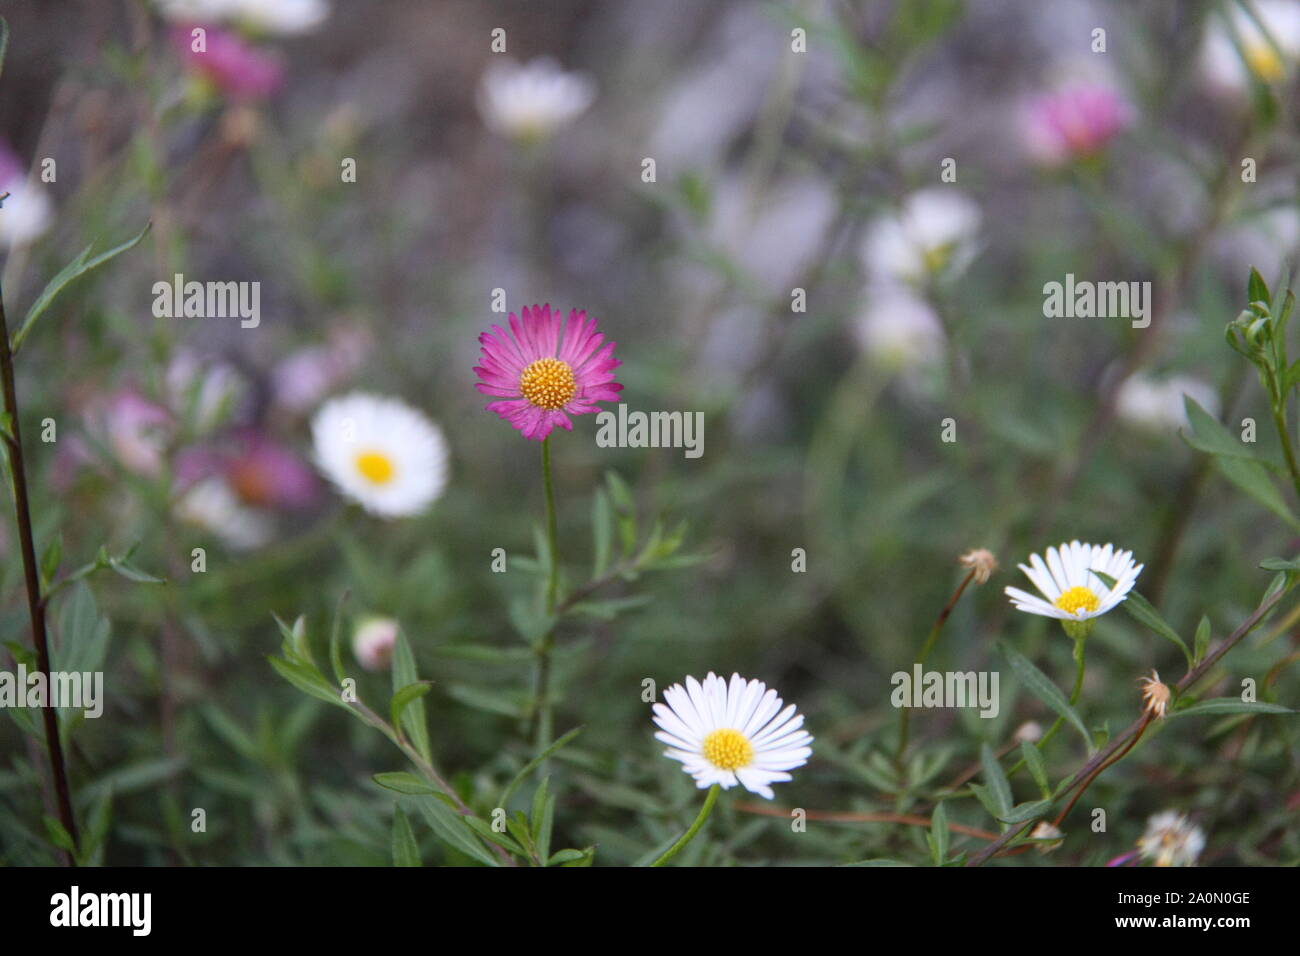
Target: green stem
(926, 648)
(552, 585)
(1079, 646)
(689, 835)
(542, 717)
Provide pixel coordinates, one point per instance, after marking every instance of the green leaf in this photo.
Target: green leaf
(1253, 478)
(1229, 705)
(405, 783)
(995, 780)
(1210, 436)
(1201, 643)
(1257, 288)
(404, 698)
(336, 641)
(938, 836)
(602, 532)
(1041, 687)
(449, 827)
(58, 833)
(533, 764)
(50, 560)
(1026, 811)
(1034, 761)
(484, 829)
(572, 857)
(132, 573)
(308, 680)
(543, 819)
(414, 721)
(77, 267)
(1141, 610)
(406, 852)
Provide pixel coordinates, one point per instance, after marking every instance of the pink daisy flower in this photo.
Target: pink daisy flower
(545, 369)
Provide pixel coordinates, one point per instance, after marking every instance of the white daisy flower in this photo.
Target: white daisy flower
(1230, 69)
(26, 212)
(1171, 840)
(729, 734)
(381, 452)
(1157, 404)
(533, 100)
(211, 504)
(933, 233)
(1072, 593)
(899, 330)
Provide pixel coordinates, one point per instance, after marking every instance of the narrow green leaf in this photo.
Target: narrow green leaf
(414, 721)
(1034, 761)
(522, 775)
(404, 698)
(1026, 811)
(1201, 643)
(1210, 436)
(1253, 478)
(1041, 687)
(405, 783)
(1229, 705)
(406, 852)
(995, 780)
(77, 267)
(450, 827)
(939, 835)
(1257, 288)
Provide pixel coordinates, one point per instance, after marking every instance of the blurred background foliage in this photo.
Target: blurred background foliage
(771, 168)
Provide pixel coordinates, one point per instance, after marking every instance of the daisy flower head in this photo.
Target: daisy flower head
(531, 102)
(729, 733)
(1171, 840)
(933, 234)
(381, 453)
(1071, 591)
(543, 369)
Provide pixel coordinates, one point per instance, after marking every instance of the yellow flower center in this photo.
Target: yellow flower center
(935, 258)
(1264, 61)
(376, 467)
(728, 749)
(1077, 599)
(548, 383)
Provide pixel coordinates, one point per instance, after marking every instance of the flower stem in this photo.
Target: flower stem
(542, 718)
(689, 835)
(925, 652)
(552, 585)
(1079, 646)
(35, 602)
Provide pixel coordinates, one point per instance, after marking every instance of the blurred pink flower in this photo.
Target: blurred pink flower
(133, 429)
(302, 380)
(1074, 122)
(545, 372)
(373, 642)
(258, 470)
(238, 70)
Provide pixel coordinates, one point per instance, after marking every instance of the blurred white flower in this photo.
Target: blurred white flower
(1229, 69)
(1171, 840)
(1157, 404)
(27, 212)
(932, 234)
(381, 453)
(373, 642)
(283, 17)
(899, 330)
(212, 504)
(532, 101)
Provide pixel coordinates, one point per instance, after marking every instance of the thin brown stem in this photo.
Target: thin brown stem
(1103, 757)
(31, 574)
(837, 816)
